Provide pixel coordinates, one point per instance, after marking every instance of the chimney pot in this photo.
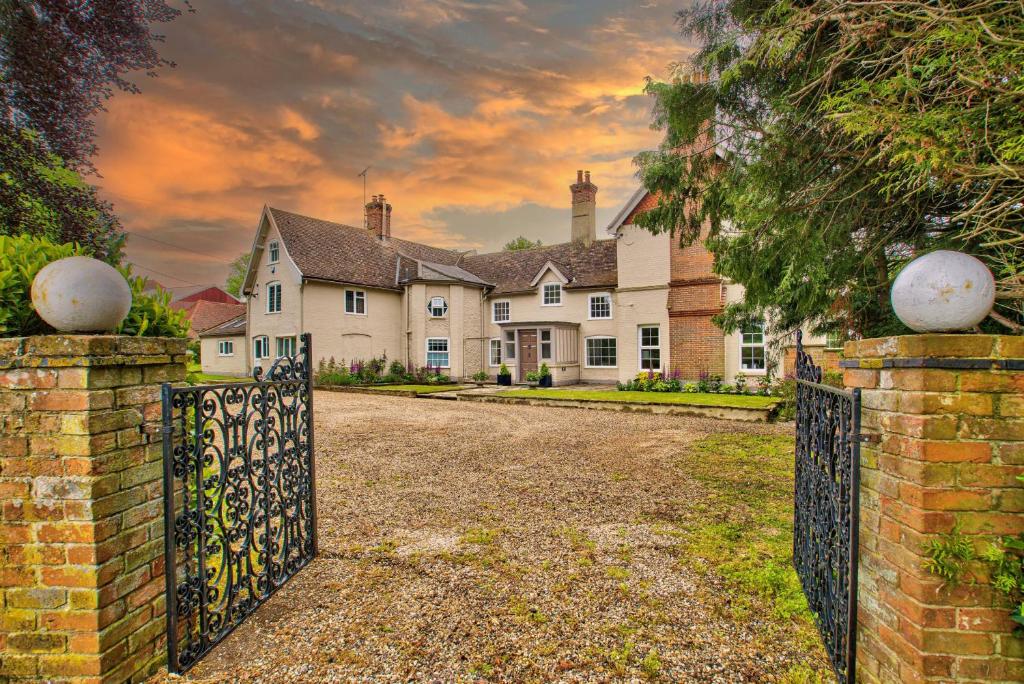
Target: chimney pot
(586, 175)
(579, 176)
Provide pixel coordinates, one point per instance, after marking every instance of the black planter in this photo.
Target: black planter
(505, 380)
(545, 381)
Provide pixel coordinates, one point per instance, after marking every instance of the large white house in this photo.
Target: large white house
(594, 310)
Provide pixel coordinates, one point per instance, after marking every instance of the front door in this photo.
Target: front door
(527, 352)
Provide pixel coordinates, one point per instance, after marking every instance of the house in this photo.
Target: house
(222, 348)
(593, 310)
(204, 314)
(194, 293)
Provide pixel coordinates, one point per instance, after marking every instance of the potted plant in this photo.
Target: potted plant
(533, 378)
(504, 376)
(545, 375)
(480, 377)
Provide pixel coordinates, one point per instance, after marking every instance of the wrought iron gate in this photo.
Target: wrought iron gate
(826, 518)
(240, 506)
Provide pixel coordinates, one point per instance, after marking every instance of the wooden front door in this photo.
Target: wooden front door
(527, 352)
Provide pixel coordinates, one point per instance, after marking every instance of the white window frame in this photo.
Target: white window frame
(447, 352)
(544, 294)
(273, 252)
(640, 347)
(550, 342)
(357, 296)
(590, 305)
(764, 353)
(494, 311)
(586, 353)
(277, 345)
(430, 307)
(514, 342)
(491, 361)
(260, 341)
(270, 299)
(225, 348)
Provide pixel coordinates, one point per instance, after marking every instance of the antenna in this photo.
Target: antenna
(363, 174)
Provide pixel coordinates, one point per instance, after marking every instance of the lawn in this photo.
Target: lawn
(686, 398)
(418, 389)
(198, 377)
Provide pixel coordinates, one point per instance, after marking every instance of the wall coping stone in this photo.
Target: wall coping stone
(63, 351)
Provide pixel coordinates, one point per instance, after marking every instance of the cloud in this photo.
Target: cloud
(472, 116)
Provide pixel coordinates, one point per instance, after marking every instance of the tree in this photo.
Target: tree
(805, 161)
(236, 274)
(40, 196)
(520, 243)
(61, 59)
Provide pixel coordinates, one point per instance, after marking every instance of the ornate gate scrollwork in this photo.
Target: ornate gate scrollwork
(240, 505)
(826, 517)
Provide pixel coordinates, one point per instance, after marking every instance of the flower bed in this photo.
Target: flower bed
(375, 372)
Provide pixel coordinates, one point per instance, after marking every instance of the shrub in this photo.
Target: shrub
(690, 387)
(533, 376)
(544, 370)
(151, 314)
(480, 376)
(741, 383)
(23, 256)
(786, 390)
(650, 381)
(397, 369)
(503, 370)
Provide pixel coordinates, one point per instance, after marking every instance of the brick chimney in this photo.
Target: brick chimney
(584, 209)
(378, 217)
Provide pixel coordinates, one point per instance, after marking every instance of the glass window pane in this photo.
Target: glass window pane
(601, 351)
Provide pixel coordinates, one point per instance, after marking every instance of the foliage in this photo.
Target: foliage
(372, 372)
(61, 59)
(786, 391)
(543, 371)
(503, 370)
(480, 376)
(833, 142)
(21, 258)
(650, 381)
(520, 243)
(41, 196)
(151, 314)
(532, 376)
(236, 274)
(950, 556)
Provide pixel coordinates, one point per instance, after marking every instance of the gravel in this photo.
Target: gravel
(464, 542)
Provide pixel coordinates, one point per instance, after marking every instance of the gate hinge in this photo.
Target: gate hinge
(870, 438)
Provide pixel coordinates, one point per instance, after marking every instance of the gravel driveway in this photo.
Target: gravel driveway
(464, 541)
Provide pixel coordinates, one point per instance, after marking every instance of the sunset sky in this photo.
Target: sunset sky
(473, 117)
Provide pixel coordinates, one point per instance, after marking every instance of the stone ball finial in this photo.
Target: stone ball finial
(943, 291)
(81, 294)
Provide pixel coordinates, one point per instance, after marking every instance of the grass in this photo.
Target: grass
(197, 376)
(745, 532)
(685, 398)
(418, 389)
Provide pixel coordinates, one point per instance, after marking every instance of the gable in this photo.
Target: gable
(639, 202)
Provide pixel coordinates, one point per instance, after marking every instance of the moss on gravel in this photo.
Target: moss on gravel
(684, 398)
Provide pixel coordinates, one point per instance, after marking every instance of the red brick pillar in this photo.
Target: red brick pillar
(949, 414)
(81, 494)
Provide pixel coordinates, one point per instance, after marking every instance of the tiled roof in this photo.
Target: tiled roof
(231, 328)
(585, 267)
(333, 251)
(205, 315)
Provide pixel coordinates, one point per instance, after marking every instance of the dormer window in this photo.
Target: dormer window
(437, 307)
(274, 251)
(552, 294)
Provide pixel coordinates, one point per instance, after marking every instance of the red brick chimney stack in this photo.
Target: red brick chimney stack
(584, 209)
(378, 217)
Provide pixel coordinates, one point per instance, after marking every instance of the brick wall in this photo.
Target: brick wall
(949, 413)
(81, 491)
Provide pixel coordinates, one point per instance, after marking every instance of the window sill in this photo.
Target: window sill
(353, 313)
